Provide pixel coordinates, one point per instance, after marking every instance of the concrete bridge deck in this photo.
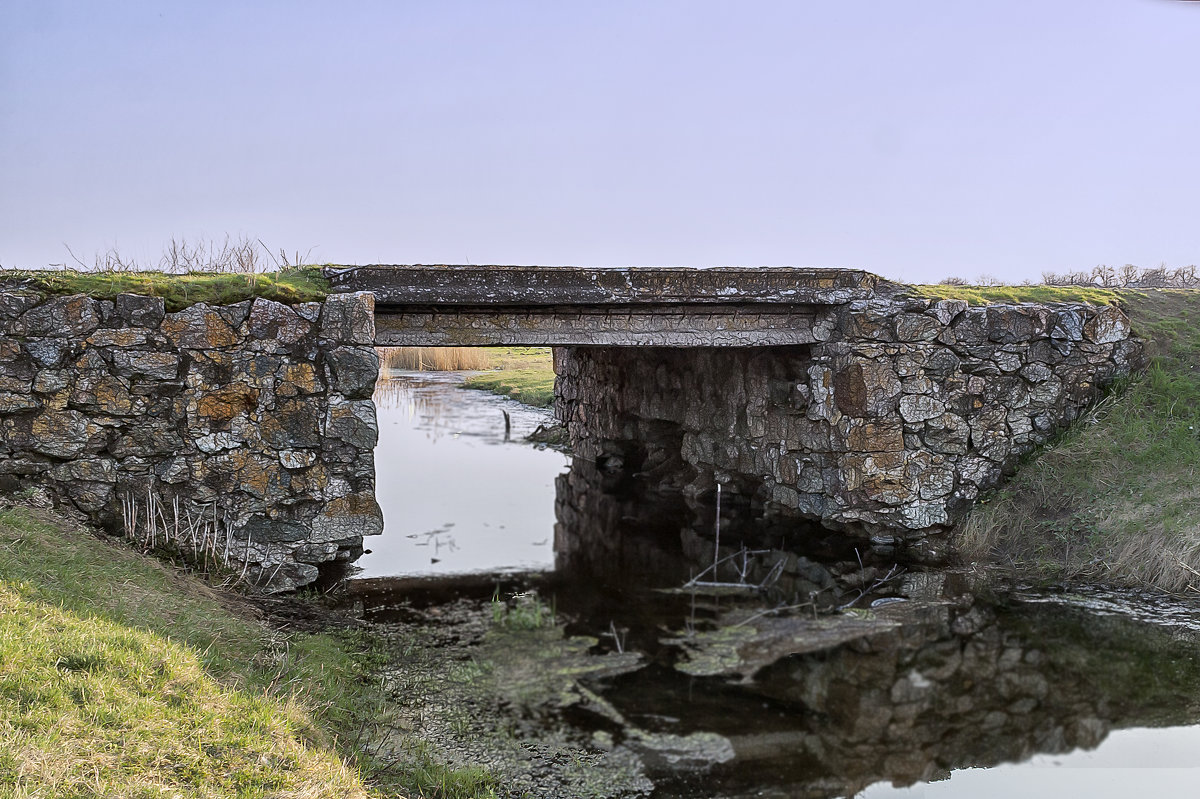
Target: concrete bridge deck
(470, 305)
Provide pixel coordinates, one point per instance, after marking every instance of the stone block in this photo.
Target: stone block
(353, 371)
(945, 311)
(1008, 324)
(881, 435)
(947, 434)
(200, 327)
(349, 318)
(136, 310)
(16, 402)
(74, 316)
(1106, 326)
(347, 517)
(14, 303)
(919, 407)
(147, 363)
(274, 321)
(119, 337)
(1066, 324)
(48, 353)
(297, 379)
(971, 327)
(866, 388)
(916, 327)
(294, 424)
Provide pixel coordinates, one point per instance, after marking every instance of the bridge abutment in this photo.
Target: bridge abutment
(891, 427)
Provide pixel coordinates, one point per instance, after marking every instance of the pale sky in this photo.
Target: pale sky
(913, 139)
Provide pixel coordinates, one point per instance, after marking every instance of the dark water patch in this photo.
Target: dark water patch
(676, 651)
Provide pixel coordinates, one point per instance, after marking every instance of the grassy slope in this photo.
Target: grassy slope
(985, 295)
(1115, 498)
(524, 373)
(119, 677)
(179, 291)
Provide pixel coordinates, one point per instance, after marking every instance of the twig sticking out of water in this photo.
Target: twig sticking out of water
(717, 525)
(618, 636)
(894, 572)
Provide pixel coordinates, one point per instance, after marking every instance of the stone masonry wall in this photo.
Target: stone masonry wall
(890, 426)
(239, 433)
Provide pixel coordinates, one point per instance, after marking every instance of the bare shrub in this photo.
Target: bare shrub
(1127, 276)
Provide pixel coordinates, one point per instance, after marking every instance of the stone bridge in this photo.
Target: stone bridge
(832, 395)
(245, 431)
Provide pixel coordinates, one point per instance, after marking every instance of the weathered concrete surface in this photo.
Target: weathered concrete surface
(565, 306)
(891, 427)
(576, 285)
(244, 430)
(652, 325)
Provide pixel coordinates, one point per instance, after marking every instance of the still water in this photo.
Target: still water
(777, 661)
(456, 496)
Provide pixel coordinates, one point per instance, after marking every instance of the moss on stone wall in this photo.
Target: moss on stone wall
(178, 291)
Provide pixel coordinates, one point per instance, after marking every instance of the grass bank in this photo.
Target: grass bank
(988, 295)
(1115, 498)
(524, 373)
(300, 284)
(121, 677)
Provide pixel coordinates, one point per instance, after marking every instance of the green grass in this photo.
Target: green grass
(988, 295)
(1116, 498)
(122, 677)
(179, 290)
(531, 386)
(119, 677)
(524, 373)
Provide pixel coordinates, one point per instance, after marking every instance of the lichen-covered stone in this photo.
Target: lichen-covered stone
(219, 413)
(74, 316)
(199, 327)
(352, 516)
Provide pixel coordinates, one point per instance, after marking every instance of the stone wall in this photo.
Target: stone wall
(240, 434)
(890, 427)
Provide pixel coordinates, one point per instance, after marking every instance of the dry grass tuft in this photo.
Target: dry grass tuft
(435, 359)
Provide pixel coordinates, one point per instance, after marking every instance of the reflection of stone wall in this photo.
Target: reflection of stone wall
(895, 423)
(974, 689)
(255, 417)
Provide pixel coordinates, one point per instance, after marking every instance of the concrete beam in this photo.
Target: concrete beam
(529, 286)
(619, 326)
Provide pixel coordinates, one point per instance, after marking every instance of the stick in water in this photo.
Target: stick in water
(717, 545)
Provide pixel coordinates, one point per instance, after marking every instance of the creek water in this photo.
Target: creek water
(777, 660)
